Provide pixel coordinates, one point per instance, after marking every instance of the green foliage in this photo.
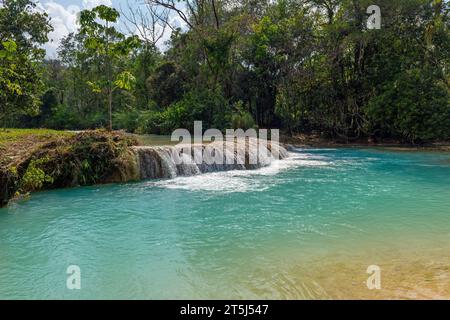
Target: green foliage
(10, 136)
(62, 159)
(288, 109)
(413, 108)
(241, 118)
(128, 119)
(151, 122)
(91, 158)
(111, 46)
(302, 66)
(125, 80)
(211, 107)
(8, 69)
(22, 32)
(354, 82)
(166, 84)
(243, 121)
(35, 177)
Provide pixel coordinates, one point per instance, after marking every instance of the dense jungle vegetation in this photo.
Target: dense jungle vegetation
(304, 66)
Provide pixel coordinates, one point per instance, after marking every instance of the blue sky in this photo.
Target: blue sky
(63, 14)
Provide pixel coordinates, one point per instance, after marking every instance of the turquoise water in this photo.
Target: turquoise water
(241, 234)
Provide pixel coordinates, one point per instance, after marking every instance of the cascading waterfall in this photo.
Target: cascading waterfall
(157, 162)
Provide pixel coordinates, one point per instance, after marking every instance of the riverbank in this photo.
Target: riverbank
(316, 141)
(38, 159)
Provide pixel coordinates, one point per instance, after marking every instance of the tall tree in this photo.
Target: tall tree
(23, 30)
(104, 40)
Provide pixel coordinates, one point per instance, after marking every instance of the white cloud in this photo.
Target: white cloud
(90, 4)
(64, 20)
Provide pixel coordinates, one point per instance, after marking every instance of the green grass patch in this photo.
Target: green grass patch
(17, 135)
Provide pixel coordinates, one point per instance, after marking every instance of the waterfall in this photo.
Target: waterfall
(157, 162)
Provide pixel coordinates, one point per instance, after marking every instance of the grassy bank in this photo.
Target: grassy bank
(37, 159)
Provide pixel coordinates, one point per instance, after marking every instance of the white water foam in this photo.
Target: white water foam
(243, 180)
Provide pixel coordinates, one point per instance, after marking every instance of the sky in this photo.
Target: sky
(63, 14)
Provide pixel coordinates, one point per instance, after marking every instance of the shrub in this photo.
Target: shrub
(241, 118)
(414, 108)
(210, 107)
(128, 120)
(35, 177)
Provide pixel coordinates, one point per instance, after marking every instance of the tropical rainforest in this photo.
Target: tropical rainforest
(304, 66)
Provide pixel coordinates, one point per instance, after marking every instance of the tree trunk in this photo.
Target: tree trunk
(109, 75)
(110, 126)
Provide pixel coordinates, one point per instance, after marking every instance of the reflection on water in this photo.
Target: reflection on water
(305, 227)
(156, 140)
(159, 140)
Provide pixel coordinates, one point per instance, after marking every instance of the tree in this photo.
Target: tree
(103, 40)
(166, 84)
(22, 32)
(301, 65)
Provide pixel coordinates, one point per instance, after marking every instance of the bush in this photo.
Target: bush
(35, 177)
(209, 107)
(414, 108)
(241, 118)
(127, 120)
(62, 117)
